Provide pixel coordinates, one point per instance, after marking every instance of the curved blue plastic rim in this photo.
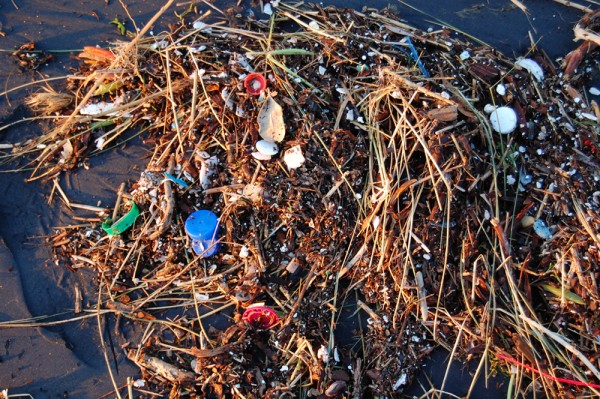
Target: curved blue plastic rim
(202, 225)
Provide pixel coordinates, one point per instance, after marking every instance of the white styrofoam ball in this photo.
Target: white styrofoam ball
(503, 120)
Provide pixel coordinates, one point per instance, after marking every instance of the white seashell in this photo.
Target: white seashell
(532, 67)
(261, 157)
(293, 157)
(503, 120)
(266, 147)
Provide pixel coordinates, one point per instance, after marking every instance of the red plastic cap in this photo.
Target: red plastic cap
(255, 84)
(260, 317)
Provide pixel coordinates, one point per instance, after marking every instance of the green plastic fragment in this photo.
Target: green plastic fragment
(569, 295)
(122, 224)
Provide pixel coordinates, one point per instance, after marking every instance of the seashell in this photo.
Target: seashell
(266, 147)
(503, 120)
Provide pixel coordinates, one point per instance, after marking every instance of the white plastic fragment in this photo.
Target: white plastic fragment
(532, 67)
(489, 108)
(541, 229)
(322, 70)
(198, 49)
(207, 169)
(401, 381)
(293, 157)
(464, 55)
(267, 147)
(244, 252)
(314, 25)
(97, 108)
(501, 89)
(267, 9)
(589, 116)
(323, 354)
(201, 297)
(202, 26)
(503, 120)
(260, 156)
(139, 383)
(594, 91)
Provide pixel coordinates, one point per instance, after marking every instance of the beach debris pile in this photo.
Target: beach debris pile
(376, 190)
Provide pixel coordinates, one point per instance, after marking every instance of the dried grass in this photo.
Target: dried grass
(405, 210)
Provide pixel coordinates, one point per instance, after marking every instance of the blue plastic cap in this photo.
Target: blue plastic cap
(202, 225)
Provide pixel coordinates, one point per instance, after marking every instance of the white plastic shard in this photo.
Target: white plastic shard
(98, 108)
(293, 157)
(270, 121)
(207, 169)
(260, 156)
(532, 67)
(503, 120)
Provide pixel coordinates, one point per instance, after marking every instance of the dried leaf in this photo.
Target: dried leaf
(445, 114)
(270, 121)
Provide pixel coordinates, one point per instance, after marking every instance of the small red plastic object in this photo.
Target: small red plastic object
(260, 317)
(255, 84)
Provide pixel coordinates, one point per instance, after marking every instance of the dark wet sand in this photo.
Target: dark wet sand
(67, 361)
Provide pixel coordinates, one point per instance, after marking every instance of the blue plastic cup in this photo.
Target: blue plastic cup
(203, 227)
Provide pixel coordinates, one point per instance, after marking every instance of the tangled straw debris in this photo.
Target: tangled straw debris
(399, 201)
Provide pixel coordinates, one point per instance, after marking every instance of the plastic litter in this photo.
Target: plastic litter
(124, 223)
(260, 317)
(255, 84)
(203, 227)
(503, 120)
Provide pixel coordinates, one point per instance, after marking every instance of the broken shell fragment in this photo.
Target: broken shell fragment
(532, 67)
(267, 147)
(503, 120)
(293, 157)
